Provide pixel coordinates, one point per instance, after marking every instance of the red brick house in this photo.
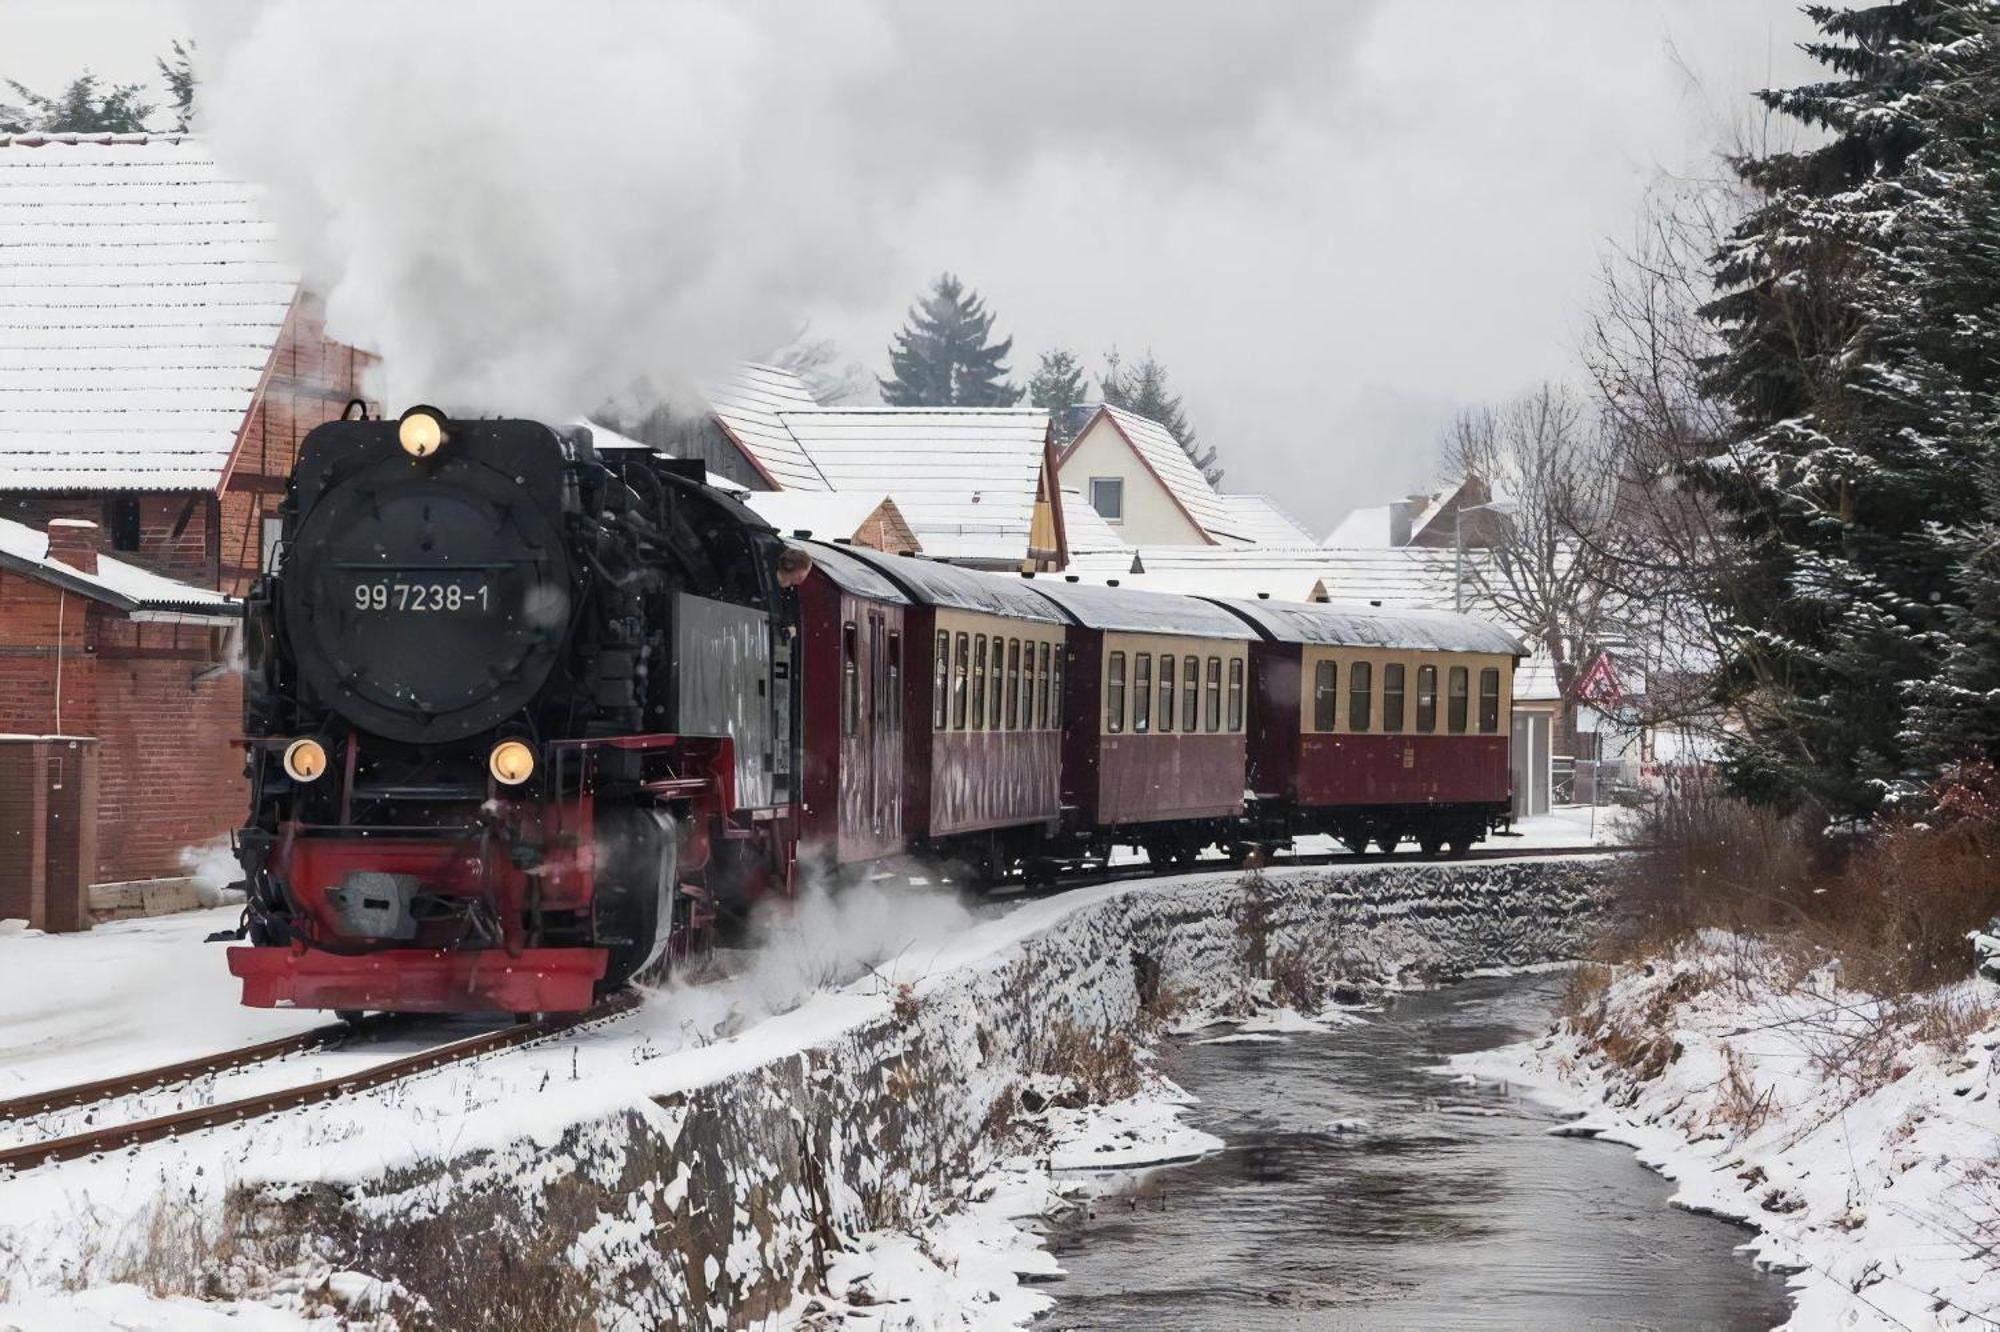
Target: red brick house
(159, 366)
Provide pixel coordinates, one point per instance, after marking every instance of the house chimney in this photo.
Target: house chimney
(73, 541)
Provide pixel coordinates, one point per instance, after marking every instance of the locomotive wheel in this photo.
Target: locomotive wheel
(632, 909)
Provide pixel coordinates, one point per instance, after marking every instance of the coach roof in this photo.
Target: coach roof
(930, 583)
(1345, 625)
(1122, 610)
(850, 574)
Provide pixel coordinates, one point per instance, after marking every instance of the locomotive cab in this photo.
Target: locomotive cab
(510, 703)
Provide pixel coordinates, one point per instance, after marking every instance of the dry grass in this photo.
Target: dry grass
(1103, 1063)
(1892, 908)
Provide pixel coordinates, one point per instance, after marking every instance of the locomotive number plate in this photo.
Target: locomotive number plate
(396, 594)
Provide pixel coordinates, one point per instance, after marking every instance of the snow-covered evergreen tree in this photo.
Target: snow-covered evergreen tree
(1841, 315)
(1143, 389)
(1059, 384)
(941, 358)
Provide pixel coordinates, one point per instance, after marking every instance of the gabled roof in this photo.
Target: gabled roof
(1085, 526)
(123, 586)
(965, 478)
(1258, 520)
(1168, 462)
(830, 515)
(141, 294)
(1366, 528)
(747, 405)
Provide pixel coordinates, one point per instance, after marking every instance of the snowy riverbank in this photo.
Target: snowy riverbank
(1860, 1138)
(865, 1111)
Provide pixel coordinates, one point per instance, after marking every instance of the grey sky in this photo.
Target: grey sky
(1335, 223)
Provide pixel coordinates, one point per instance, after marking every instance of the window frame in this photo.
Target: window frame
(1427, 699)
(1013, 684)
(1326, 696)
(1117, 487)
(891, 706)
(1212, 698)
(978, 722)
(850, 679)
(1392, 722)
(1167, 685)
(941, 683)
(1042, 682)
(1360, 696)
(961, 681)
(1457, 692)
(999, 682)
(1114, 693)
(1142, 693)
(1489, 703)
(1237, 711)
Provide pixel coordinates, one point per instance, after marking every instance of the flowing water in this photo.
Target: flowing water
(1360, 1190)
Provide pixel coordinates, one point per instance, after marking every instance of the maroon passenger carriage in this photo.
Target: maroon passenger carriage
(1376, 725)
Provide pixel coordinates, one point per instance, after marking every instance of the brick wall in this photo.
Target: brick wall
(166, 709)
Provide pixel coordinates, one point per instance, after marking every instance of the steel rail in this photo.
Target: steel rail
(113, 1138)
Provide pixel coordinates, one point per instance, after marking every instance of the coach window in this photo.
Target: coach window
(891, 704)
(1166, 694)
(1191, 694)
(1456, 700)
(1392, 696)
(1055, 686)
(1489, 700)
(999, 681)
(1326, 677)
(1114, 694)
(1213, 721)
(850, 679)
(1041, 686)
(979, 682)
(1027, 690)
(941, 683)
(958, 684)
(1235, 694)
(1013, 683)
(1427, 699)
(1142, 693)
(1360, 693)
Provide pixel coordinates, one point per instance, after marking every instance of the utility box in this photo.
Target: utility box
(48, 829)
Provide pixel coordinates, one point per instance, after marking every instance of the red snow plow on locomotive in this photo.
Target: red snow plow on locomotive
(526, 717)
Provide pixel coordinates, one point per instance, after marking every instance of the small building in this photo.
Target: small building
(1424, 518)
(162, 368)
(1141, 481)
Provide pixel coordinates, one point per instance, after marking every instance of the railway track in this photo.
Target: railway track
(135, 1132)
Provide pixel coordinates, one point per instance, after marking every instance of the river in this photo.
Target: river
(1360, 1190)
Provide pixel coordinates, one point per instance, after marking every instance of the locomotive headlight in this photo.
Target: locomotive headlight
(305, 760)
(421, 431)
(511, 762)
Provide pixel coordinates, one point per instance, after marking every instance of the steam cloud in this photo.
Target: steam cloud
(539, 207)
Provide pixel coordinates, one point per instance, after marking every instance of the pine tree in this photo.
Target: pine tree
(941, 358)
(79, 109)
(1841, 332)
(1143, 389)
(179, 77)
(1059, 384)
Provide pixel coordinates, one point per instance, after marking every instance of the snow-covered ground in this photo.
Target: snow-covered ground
(847, 997)
(1861, 1139)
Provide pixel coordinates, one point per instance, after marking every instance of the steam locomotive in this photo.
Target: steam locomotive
(524, 715)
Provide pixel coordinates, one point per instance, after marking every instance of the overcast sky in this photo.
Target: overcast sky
(1336, 224)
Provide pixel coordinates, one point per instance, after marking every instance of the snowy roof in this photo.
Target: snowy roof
(1124, 610)
(852, 575)
(1168, 461)
(965, 478)
(1258, 519)
(1085, 527)
(125, 586)
(747, 405)
(930, 583)
(1413, 577)
(1351, 625)
(141, 293)
(1416, 578)
(1367, 527)
(826, 514)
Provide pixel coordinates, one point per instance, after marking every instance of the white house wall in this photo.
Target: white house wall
(1151, 516)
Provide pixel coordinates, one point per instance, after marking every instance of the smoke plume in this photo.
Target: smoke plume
(537, 207)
